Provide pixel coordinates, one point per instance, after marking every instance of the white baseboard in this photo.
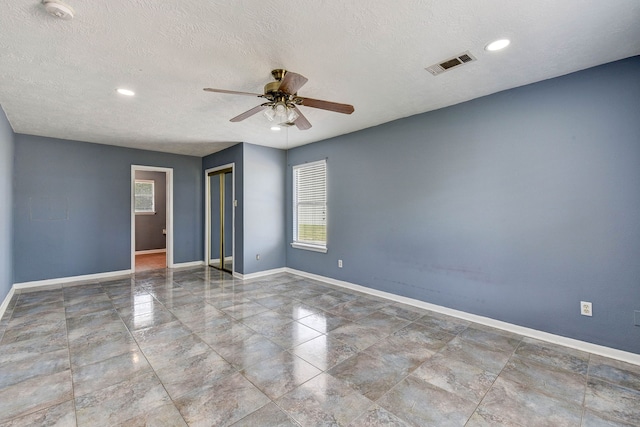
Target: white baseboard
(49, 283)
(259, 273)
(5, 303)
(226, 259)
(61, 280)
(188, 264)
(521, 330)
(151, 251)
(601, 350)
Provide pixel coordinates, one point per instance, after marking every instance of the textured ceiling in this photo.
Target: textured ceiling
(58, 78)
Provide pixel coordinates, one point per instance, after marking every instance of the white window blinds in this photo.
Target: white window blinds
(310, 206)
(144, 196)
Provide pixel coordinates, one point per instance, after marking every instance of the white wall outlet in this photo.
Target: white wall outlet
(585, 308)
(257, 257)
(339, 263)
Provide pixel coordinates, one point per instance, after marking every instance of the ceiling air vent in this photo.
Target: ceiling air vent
(448, 64)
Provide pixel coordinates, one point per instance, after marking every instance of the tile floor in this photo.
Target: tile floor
(195, 347)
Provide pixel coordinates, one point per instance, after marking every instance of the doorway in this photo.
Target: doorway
(151, 218)
(220, 231)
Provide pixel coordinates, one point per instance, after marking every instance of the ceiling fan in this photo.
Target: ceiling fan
(284, 100)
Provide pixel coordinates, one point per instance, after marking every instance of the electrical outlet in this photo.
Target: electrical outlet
(257, 257)
(636, 317)
(586, 308)
(339, 263)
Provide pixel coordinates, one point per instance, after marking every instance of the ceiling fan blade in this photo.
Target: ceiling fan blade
(301, 122)
(325, 105)
(232, 92)
(291, 82)
(249, 113)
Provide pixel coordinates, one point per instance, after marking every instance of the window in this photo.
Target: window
(310, 206)
(144, 196)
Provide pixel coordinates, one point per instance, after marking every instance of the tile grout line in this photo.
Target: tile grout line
(411, 373)
(588, 376)
(143, 354)
(430, 328)
(496, 379)
(54, 404)
(66, 330)
(67, 347)
(206, 343)
(322, 371)
(418, 367)
(176, 283)
(238, 371)
(586, 387)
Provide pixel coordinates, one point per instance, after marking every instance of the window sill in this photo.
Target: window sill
(145, 213)
(307, 247)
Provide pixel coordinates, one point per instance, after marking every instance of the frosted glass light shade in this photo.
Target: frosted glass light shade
(280, 113)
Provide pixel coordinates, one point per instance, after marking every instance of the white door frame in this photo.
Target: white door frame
(207, 202)
(169, 210)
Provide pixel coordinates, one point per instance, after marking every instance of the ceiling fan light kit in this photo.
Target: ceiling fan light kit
(283, 101)
(280, 113)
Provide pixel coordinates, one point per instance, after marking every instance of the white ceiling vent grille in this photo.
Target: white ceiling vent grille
(448, 64)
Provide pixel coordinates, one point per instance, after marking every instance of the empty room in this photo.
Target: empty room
(263, 213)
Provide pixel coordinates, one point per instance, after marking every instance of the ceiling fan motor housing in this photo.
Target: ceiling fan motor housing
(278, 73)
(271, 87)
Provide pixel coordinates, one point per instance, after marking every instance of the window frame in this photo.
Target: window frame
(153, 197)
(297, 243)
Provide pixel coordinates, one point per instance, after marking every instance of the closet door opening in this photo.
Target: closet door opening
(220, 219)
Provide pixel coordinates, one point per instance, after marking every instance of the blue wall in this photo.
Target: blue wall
(514, 206)
(6, 196)
(264, 208)
(260, 215)
(231, 155)
(72, 204)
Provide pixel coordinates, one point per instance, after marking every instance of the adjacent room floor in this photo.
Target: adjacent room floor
(195, 347)
(146, 262)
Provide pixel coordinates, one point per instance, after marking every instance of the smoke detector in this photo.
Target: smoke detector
(58, 9)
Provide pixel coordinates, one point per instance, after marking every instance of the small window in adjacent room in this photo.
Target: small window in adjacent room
(310, 206)
(144, 196)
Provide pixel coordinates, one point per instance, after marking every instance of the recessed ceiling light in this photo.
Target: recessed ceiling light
(497, 45)
(275, 128)
(126, 92)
